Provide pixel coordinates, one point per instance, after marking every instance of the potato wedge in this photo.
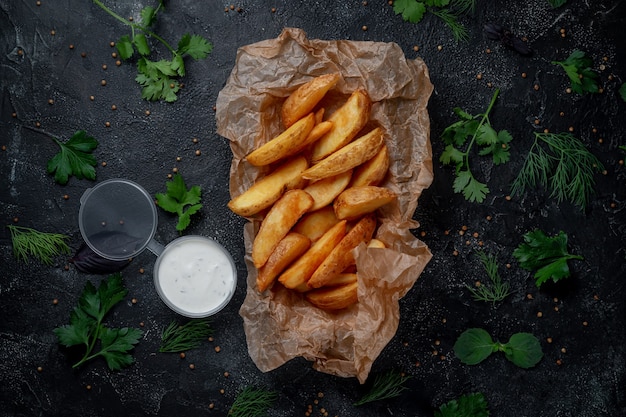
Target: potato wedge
(375, 243)
(283, 215)
(334, 298)
(288, 250)
(315, 223)
(319, 130)
(342, 279)
(299, 272)
(341, 256)
(348, 157)
(270, 188)
(347, 121)
(304, 99)
(288, 143)
(372, 172)
(354, 202)
(325, 190)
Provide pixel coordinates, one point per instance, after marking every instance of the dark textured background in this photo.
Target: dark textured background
(590, 380)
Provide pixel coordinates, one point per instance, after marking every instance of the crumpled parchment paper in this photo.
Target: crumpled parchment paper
(279, 324)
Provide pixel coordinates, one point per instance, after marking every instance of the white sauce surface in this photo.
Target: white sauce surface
(195, 275)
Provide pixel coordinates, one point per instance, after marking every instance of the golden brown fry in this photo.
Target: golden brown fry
(372, 172)
(347, 121)
(304, 99)
(325, 190)
(315, 223)
(341, 256)
(270, 188)
(334, 298)
(342, 279)
(288, 250)
(348, 157)
(279, 220)
(288, 143)
(354, 202)
(318, 131)
(299, 272)
(375, 243)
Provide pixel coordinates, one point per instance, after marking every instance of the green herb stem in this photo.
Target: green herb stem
(483, 119)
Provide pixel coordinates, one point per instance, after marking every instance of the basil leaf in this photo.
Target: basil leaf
(474, 346)
(524, 350)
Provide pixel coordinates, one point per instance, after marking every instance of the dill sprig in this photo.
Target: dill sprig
(387, 385)
(497, 290)
(43, 246)
(451, 19)
(562, 163)
(182, 337)
(252, 402)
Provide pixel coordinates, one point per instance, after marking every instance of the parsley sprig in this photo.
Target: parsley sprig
(497, 290)
(183, 337)
(578, 67)
(479, 131)
(469, 405)
(158, 78)
(387, 385)
(252, 401)
(74, 158)
(562, 163)
(181, 201)
(447, 10)
(86, 326)
(475, 345)
(546, 255)
(43, 246)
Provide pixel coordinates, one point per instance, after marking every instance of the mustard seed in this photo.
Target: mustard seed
(92, 98)
(104, 66)
(103, 83)
(364, 28)
(549, 340)
(539, 314)
(141, 270)
(50, 101)
(113, 107)
(111, 44)
(479, 76)
(103, 163)
(134, 301)
(536, 87)
(192, 366)
(114, 54)
(217, 349)
(53, 32)
(107, 124)
(118, 63)
(66, 197)
(182, 355)
(83, 54)
(198, 153)
(71, 46)
(39, 369)
(55, 301)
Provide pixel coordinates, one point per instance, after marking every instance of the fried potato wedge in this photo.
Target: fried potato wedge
(373, 171)
(354, 202)
(288, 250)
(353, 154)
(288, 143)
(334, 298)
(342, 279)
(341, 256)
(283, 215)
(325, 190)
(347, 121)
(270, 188)
(319, 130)
(304, 99)
(376, 243)
(299, 272)
(315, 223)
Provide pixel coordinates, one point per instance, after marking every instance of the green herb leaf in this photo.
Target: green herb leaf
(74, 158)
(141, 43)
(556, 3)
(181, 201)
(474, 346)
(195, 46)
(148, 16)
(43, 246)
(183, 337)
(125, 47)
(562, 163)
(253, 401)
(622, 91)
(86, 327)
(469, 405)
(545, 255)
(577, 66)
(497, 290)
(386, 385)
(524, 350)
(412, 10)
(460, 137)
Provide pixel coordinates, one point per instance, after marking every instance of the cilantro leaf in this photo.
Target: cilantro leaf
(195, 46)
(469, 405)
(524, 350)
(545, 255)
(74, 158)
(460, 137)
(148, 16)
(577, 66)
(125, 47)
(141, 43)
(86, 326)
(412, 10)
(180, 201)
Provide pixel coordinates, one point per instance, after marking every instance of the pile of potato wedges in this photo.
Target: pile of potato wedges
(319, 199)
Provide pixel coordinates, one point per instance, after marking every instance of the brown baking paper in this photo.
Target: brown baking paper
(279, 324)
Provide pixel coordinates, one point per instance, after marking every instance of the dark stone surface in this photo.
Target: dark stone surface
(36, 66)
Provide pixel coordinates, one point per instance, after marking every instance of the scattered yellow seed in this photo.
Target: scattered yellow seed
(92, 98)
(113, 107)
(416, 48)
(556, 308)
(524, 75)
(53, 32)
(39, 369)
(50, 101)
(103, 163)
(182, 355)
(210, 338)
(107, 124)
(479, 76)
(147, 112)
(568, 90)
(103, 82)
(217, 349)
(114, 54)
(364, 28)
(211, 406)
(226, 374)
(559, 362)
(437, 342)
(488, 51)
(222, 391)
(539, 314)
(141, 324)
(273, 9)
(71, 46)
(198, 153)
(66, 197)
(104, 66)
(571, 128)
(118, 63)
(563, 350)
(439, 47)
(111, 44)
(88, 387)
(192, 366)
(507, 198)
(174, 170)
(55, 301)
(134, 301)
(549, 340)
(536, 87)
(178, 159)
(585, 323)
(455, 252)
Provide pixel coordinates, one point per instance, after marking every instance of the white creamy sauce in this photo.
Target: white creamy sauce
(196, 275)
